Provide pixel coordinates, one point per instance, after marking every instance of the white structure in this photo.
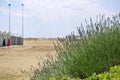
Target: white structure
(1, 38)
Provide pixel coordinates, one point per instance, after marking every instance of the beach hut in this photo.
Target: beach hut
(1, 39)
(13, 40)
(4, 41)
(21, 41)
(8, 39)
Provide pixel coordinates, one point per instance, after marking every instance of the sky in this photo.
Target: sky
(52, 18)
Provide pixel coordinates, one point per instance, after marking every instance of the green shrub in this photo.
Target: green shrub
(96, 51)
(113, 74)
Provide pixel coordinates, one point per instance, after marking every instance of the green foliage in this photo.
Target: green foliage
(113, 74)
(96, 51)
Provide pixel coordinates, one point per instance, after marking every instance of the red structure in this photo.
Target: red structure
(8, 43)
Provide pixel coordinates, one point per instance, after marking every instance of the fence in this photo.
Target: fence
(7, 40)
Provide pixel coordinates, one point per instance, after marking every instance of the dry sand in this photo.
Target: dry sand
(17, 58)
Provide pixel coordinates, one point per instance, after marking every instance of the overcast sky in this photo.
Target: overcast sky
(52, 18)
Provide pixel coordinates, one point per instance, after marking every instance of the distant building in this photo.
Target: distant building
(72, 38)
(7, 40)
(1, 38)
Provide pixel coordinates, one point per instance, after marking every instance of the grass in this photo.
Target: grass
(96, 51)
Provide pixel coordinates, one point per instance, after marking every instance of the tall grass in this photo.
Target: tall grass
(96, 51)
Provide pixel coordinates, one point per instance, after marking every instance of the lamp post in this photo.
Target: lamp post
(22, 22)
(9, 15)
(9, 23)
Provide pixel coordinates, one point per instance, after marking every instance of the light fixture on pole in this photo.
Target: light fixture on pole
(22, 21)
(9, 23)
(9, 16)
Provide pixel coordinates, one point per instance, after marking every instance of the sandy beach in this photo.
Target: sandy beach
(17, 58)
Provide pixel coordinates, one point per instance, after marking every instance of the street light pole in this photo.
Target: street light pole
(22, 23)
(9, 15)
(9, 22)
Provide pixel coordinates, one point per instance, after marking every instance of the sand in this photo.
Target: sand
(17, 58)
